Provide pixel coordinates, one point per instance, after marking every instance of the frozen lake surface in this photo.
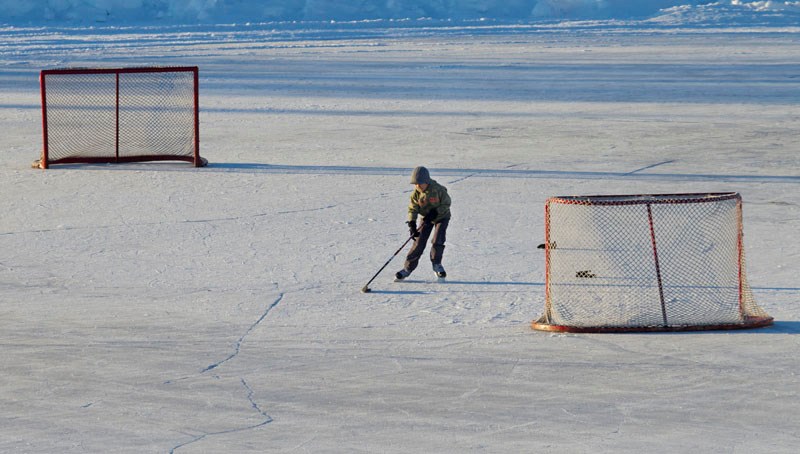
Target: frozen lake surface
(162, 308)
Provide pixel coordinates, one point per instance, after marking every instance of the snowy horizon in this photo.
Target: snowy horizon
(122, 12)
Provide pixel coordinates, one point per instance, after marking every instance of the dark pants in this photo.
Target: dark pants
(439, 236)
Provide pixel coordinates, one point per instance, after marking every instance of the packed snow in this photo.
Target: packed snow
(158, 307)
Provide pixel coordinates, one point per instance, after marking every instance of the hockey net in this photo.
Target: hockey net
(646, 263)
(120, 115)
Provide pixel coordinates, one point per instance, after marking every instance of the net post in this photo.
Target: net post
(740, 253)
(547, 256)
(658, 266)
(43, 91)
(198, 162)
(116, 133)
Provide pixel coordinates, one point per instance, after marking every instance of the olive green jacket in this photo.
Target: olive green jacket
(434, 197)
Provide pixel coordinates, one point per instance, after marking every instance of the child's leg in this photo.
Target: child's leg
(412, 259)
(439, 237)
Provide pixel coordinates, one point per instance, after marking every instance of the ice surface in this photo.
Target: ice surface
(163, 308)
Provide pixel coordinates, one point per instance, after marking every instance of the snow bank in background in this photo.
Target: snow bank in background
(15, 12)
(735, 12)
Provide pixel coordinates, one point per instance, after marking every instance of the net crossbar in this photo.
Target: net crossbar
(664, 262)
(120, 115)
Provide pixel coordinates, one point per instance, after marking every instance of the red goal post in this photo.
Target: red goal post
(112, 115)
(661, 262)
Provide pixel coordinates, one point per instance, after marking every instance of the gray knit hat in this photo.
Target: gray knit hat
(420, 175)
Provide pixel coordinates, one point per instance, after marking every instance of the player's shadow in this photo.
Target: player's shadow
(400, 292)
(432, 286)
(531, 284)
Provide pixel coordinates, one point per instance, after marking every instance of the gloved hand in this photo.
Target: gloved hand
(430, 216)
(412, 229)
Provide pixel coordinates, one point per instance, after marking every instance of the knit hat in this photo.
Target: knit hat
(420, 175)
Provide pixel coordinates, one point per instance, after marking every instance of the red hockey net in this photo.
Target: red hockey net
(120, 115)
(646, 263)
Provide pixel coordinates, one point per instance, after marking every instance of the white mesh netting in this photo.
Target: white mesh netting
(651, 262)
(143, 115)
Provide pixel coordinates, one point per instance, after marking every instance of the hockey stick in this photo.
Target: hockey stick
(365, 288)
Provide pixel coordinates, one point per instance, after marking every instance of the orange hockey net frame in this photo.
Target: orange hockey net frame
(111, 115)
(663, 262)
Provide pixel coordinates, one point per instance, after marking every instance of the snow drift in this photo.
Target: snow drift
(85, 12)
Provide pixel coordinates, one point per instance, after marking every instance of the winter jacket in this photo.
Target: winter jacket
(422, 202)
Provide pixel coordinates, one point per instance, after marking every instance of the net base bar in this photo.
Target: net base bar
(755, 322)
(197, 162)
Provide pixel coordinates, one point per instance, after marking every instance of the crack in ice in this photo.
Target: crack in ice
(250, 393)
(241, 339)
(253, 404)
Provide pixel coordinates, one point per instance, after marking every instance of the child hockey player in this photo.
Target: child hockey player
(430, 201)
